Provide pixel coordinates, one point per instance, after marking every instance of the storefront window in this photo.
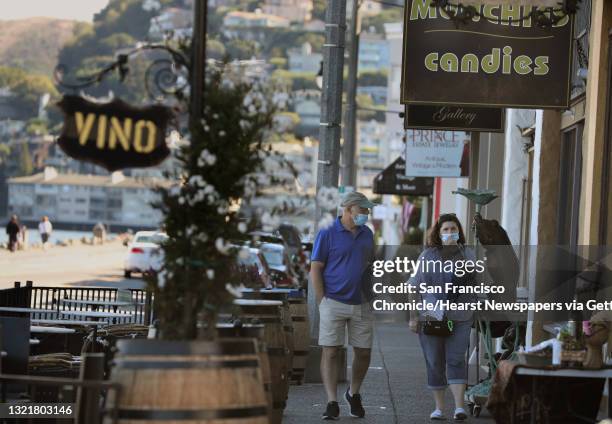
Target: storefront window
(570, 175)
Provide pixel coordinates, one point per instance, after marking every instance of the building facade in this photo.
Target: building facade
(371, 144)
(83, 200)
(373, 52)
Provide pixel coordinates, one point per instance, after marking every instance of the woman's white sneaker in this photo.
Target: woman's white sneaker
(460, 415)
(437, 415)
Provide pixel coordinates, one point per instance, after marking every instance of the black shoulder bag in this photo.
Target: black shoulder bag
(442, 328)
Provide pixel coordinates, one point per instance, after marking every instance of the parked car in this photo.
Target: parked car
(278, 259)
(257, 260)
(144, 253)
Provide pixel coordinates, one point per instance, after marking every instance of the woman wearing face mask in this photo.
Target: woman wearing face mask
(445, 354)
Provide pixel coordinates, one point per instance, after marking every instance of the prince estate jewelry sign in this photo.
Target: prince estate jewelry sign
(437, 153)
(114, 135)
(485, 62)
(459, 118)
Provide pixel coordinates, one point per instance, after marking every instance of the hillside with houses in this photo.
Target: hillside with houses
(278, 40)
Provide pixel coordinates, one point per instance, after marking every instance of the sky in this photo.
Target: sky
(81, 10)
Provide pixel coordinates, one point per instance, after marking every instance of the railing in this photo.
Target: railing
(56, 299)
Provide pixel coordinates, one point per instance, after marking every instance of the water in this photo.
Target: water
(56, 235)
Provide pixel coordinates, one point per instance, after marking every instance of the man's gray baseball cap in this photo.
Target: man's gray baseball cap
(355, 198)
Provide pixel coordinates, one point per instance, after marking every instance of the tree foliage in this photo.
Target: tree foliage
(240, 49)
(26, 166)
(223, 164)
(27, 89)
(295, 81)
(32, 44)
(37, 126)
(118, 26)
(319, 7)
(373, 78)
(316, 40)
(5, 151)
(215, 49)
(10, 76)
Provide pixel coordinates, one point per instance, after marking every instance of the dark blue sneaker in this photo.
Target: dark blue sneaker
(354, 402)
(332, 412)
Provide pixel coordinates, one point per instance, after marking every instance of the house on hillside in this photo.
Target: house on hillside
(371, 144)
(307, 104)
(370, 7)
(316, 25)
(373, 52)
(255, 19)
(179, 21)
(219, 3)
(293, 10)
(302, 59)
(252, 26)
(12, 117)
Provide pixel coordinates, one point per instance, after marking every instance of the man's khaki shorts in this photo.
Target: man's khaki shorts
(336, 316)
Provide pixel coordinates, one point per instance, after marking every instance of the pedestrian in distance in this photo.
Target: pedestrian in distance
(340, 269)
(444, 335)
(45, 228)
(12, 230)
(99, 233)
(23, 238)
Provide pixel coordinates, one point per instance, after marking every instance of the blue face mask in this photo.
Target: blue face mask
(360, 219)
(449, 236)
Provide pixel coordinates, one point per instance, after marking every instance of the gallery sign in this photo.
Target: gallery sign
(393, 180)
(485, 61)
(456, 118)
(437, 153)
(114, 135)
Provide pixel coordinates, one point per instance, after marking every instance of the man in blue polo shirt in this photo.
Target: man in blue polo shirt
(341, 257)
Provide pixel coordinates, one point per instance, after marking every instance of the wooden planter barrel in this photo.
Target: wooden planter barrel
(194, 382)
(301, 333)
(269, 313)
(254, 332)
(298, 311)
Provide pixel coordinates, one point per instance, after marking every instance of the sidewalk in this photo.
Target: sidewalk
(393, 392)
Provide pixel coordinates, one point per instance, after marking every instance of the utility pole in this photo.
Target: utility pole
(198, 57)
(329, 145)
(331, 97)
(349, 147)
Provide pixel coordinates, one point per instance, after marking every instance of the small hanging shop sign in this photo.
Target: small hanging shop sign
(455, 118)
(393, 180)
(433, 153)
(114, 135)
(500, 55)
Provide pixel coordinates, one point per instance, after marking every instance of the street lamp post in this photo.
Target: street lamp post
(328, 168)
(349, 146)
(198, 57)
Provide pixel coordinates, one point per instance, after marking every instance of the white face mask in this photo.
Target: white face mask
(448, 238)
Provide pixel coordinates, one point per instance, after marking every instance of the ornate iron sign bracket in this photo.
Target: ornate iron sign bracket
(165, 76)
